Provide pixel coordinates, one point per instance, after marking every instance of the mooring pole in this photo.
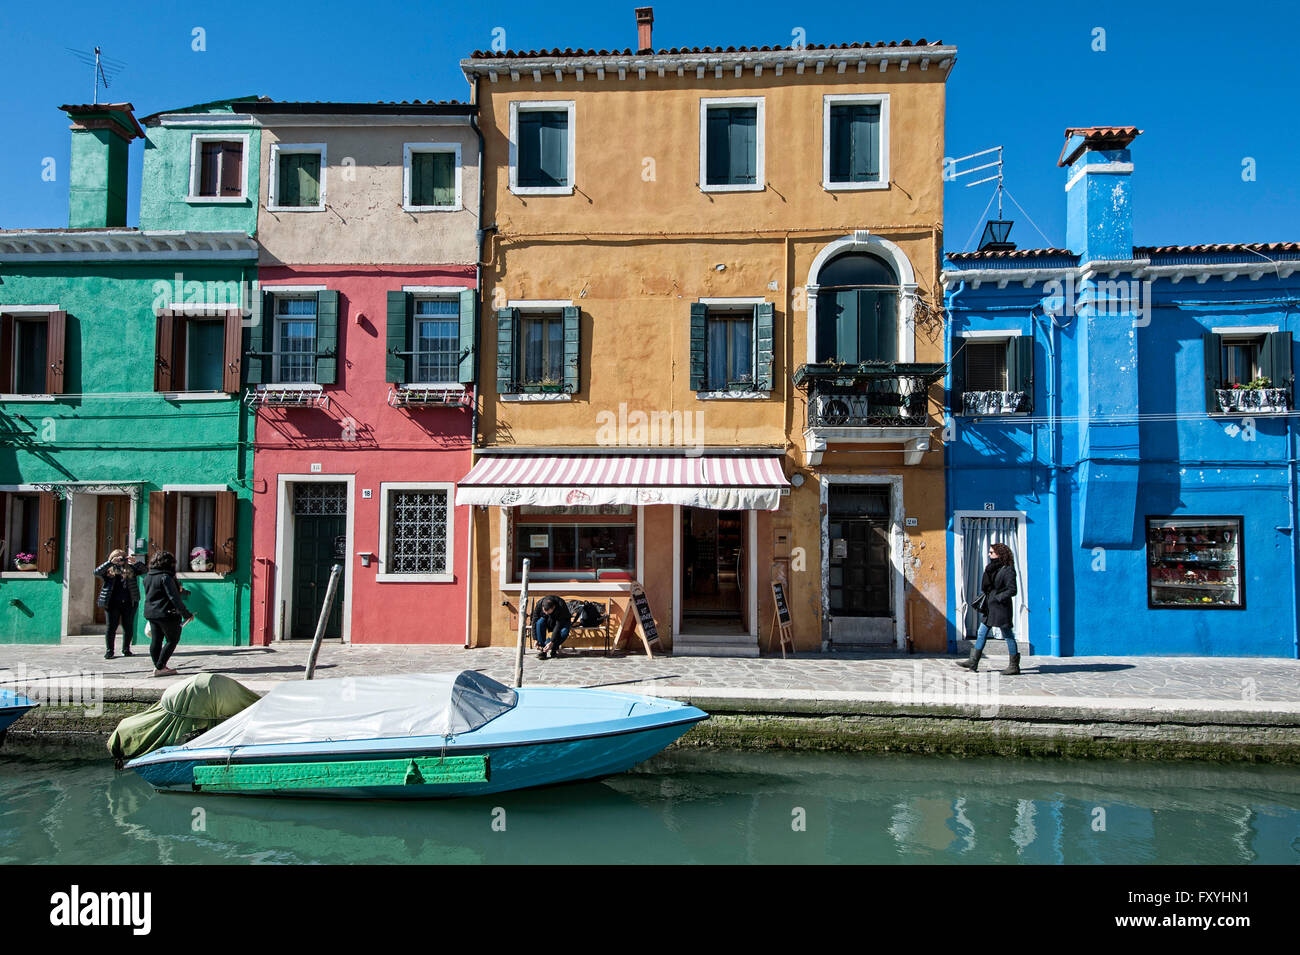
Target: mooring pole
(335, 572)
(523, 625)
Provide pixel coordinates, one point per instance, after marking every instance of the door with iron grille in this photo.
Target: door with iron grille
(860, 581)
(319, 542)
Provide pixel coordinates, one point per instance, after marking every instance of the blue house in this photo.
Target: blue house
(1122, 417)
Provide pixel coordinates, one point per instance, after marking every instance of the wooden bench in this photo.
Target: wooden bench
(600, 632)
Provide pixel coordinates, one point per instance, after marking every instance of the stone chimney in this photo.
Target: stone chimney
(101, 139)
(1098, 199)
(645, 21)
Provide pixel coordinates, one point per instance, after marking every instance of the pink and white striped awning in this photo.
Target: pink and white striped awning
(716, 481)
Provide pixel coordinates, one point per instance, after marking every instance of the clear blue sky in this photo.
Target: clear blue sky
(1210, 83)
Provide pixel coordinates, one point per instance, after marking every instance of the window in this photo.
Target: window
(1248, 371)
(31, 353)
(217, 168)
(297, 177)
(731, 346)
(295, 340)
(431, 177)
(198, 353)
(197, 524)
(21, 530)
(417, 537)
(575, 543)
(541, 148)
(993, 376)
(855, 141)
(437, 341)
(731, 144)
(1194, 563)
(538, 349)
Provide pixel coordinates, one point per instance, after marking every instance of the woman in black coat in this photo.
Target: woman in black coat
(999, 586)
(164, 610)
(119, 596)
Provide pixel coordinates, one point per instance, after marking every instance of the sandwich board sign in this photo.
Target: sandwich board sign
(781, 622)
(638, 613)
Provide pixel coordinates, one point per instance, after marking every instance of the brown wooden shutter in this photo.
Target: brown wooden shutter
(232, 168)
(164, 339)
(162, 525)
(47, 534)
(223, 549)
(6, 354)
(56, 334)
(233, 372)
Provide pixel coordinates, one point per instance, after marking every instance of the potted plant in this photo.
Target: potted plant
(200, 559)
(1257, 395)
(549, 386)
(25, 561)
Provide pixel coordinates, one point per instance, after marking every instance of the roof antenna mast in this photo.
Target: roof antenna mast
(996, 230)
(105, 68)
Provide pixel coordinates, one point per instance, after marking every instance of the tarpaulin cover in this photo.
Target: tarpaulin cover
(186, 708)
(375, 707)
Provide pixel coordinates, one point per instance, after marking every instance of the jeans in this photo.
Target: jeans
(1007, 635)
(543, 626)
(122, 612)
(166, 633)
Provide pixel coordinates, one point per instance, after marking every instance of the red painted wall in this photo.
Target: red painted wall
(391, 445)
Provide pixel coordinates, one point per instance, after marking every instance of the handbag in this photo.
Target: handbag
(981, 604)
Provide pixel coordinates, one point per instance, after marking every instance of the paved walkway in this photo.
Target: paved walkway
(1160, 683)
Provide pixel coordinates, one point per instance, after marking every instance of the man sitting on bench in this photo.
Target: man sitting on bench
(552, 614)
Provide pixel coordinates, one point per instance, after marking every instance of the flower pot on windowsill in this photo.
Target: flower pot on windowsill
(1251, 400)
(24, 566)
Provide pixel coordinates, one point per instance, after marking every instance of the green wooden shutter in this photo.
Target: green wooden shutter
(848, 304)
(717, 161)
(261, 338)
(744, 145)
(507, 319)
(957, 377)
(397, 341)
(327, 337)
(444, 179)
(1275, 360)
(572, 349)
(1020, 368)
(699, 361)
(866, 144)
(763, 338)
(555, 148)
(468, 336)
(1213, 370)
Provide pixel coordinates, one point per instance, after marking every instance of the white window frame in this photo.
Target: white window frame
(195, 172)
(7, 568)
(182, 526)
(547, 105)
(410, 149)
(855, 99)
(445, 295)
(273, 189)
(505, 540)
(760, 165)
(30, 318)
(385, 530)
(735, 304)
(535, 305)
(277, 318)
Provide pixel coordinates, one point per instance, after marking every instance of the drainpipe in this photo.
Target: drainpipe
(480, 237)
(1053, 504)
(947, 468)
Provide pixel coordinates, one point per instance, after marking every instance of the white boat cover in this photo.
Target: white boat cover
(372, 707)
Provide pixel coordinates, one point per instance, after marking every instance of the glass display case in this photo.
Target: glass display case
(1195, 563)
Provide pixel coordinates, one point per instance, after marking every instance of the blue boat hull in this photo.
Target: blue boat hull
(12, 707)
(521, 750)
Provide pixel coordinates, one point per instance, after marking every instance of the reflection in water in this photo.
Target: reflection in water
(687, 806)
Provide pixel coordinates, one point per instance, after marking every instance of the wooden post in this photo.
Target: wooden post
(335, 572)
(523, 624)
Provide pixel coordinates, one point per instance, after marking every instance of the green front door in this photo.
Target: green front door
(319, 542)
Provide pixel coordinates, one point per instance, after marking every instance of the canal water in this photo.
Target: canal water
(686, 806)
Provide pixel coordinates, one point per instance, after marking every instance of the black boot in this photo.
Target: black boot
(1014, 668)
(973, 664)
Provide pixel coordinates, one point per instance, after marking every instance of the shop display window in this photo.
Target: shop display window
(1195, 563)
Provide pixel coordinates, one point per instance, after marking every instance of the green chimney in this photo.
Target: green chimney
(101, 138)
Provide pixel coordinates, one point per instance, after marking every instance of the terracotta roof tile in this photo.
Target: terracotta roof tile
(1144, 251)
(692, 50)
(1011, 254)
(1097, 137)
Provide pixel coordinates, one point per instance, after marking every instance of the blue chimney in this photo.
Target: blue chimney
(1098, 191)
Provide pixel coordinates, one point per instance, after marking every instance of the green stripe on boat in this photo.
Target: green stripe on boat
(421, 771)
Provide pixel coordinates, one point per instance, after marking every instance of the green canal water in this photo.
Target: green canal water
(686, 806)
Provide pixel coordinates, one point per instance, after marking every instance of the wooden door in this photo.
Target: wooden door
(112, 531)
(315, 550)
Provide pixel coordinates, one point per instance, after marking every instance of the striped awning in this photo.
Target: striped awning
(716, 481)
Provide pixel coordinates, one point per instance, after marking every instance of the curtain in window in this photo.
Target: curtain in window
(433, 179)
(202, 522)
(299, 179)
(978, 533)
(730, 351)
(855, 143)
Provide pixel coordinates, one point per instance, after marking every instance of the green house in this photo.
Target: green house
(121, 368)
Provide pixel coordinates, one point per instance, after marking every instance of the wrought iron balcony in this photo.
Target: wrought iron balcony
(886, 395)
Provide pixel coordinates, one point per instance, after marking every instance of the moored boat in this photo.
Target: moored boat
(12, 707)
(418, 736)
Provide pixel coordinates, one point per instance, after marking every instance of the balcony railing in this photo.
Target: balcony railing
(885, 395)
(992, 402)
(1253, 400)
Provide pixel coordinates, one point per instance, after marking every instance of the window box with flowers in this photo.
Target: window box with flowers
(25, 562)
(1253, 397)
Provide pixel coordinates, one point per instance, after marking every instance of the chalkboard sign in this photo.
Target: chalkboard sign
(782, 610)
(644, 615)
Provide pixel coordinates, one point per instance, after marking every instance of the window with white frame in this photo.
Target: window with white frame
(541, 147)
(731, 144)
(217, 167)
(436, 330)
(855, 141)
(994, 375)
(297, 177)
(295, 339)
(575, 543)
(416, 543)
(730, 348)
(431, 177)
(21, 530)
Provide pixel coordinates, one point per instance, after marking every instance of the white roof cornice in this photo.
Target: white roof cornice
(124, 245)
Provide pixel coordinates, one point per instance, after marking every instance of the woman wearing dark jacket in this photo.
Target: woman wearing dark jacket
(164, 610)
(999, 585)
(119, 596)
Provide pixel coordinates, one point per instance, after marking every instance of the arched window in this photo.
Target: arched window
(857, 309)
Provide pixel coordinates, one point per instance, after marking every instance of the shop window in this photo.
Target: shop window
(1195, 563)
(575, 543)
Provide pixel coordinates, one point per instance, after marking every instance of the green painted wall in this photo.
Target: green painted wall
(111, 426)
(165, 183)
(97, 192)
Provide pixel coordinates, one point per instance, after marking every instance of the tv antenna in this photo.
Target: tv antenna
(105, 68)
(996, 231)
